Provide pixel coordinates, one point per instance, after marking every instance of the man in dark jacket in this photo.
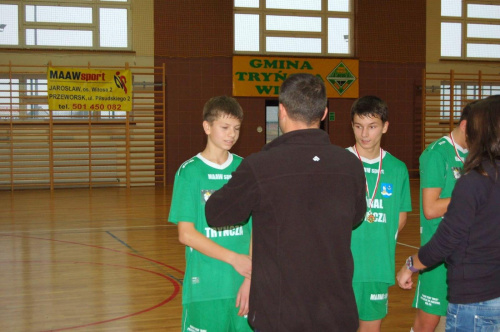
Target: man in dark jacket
(305, 196)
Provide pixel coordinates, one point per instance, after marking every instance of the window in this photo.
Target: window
(9, 99)
(296, 27)
(73, 24)
(463, 93)
(470, 29)
(446, 99)
(272, 125)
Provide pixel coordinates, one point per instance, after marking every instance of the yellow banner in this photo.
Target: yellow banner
(262, 76)
(89, 89)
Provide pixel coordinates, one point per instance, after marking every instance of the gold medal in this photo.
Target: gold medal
(371, 217)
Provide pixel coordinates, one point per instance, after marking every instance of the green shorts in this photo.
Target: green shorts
(431, 291)
(213, 316)
(372, 299)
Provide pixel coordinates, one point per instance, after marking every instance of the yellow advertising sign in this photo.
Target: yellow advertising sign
(255, 76)
(89, 89)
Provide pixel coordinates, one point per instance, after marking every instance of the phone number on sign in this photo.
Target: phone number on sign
(98, 107)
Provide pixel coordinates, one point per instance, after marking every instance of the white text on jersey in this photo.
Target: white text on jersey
(223, 231)
(377, 203)
(219, 176)
(372, 170)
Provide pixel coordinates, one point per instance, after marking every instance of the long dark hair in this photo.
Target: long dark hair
(483, 134)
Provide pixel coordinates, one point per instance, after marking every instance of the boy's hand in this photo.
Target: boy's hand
(243, 297)
(242, 264)
(404, 278)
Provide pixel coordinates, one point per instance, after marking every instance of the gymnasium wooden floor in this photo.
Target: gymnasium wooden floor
(107, 260)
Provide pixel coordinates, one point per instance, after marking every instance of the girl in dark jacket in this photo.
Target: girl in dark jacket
(468, 238)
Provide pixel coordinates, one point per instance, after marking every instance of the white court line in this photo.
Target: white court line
(407, 245)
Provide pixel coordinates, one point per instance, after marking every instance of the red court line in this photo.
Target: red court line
(98, 247)
(172, 281)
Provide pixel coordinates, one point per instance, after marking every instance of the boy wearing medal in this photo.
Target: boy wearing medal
(388, 200)
(441, 165)
(216, 286)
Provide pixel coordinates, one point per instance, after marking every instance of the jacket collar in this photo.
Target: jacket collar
(303, 136)
(491, 170)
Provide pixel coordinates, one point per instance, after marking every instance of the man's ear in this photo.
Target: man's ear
(324, 114)
(282, 117)
(282, 111)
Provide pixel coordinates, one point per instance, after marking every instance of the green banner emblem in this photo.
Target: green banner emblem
(341, 78)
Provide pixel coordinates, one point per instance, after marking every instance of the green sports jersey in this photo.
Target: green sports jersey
(373, 244)
(440, 167)
(207, 278)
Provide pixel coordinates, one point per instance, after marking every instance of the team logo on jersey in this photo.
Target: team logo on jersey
(205, 194)
(457, 172)
(386, 189)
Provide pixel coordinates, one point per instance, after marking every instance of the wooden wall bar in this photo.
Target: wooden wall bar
(42, 148)
(439, 98)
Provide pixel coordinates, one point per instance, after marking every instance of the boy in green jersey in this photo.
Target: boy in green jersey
(388, 200)
(441, 165)
(218, 266)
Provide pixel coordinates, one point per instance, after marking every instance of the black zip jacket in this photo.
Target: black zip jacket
(305, 195)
